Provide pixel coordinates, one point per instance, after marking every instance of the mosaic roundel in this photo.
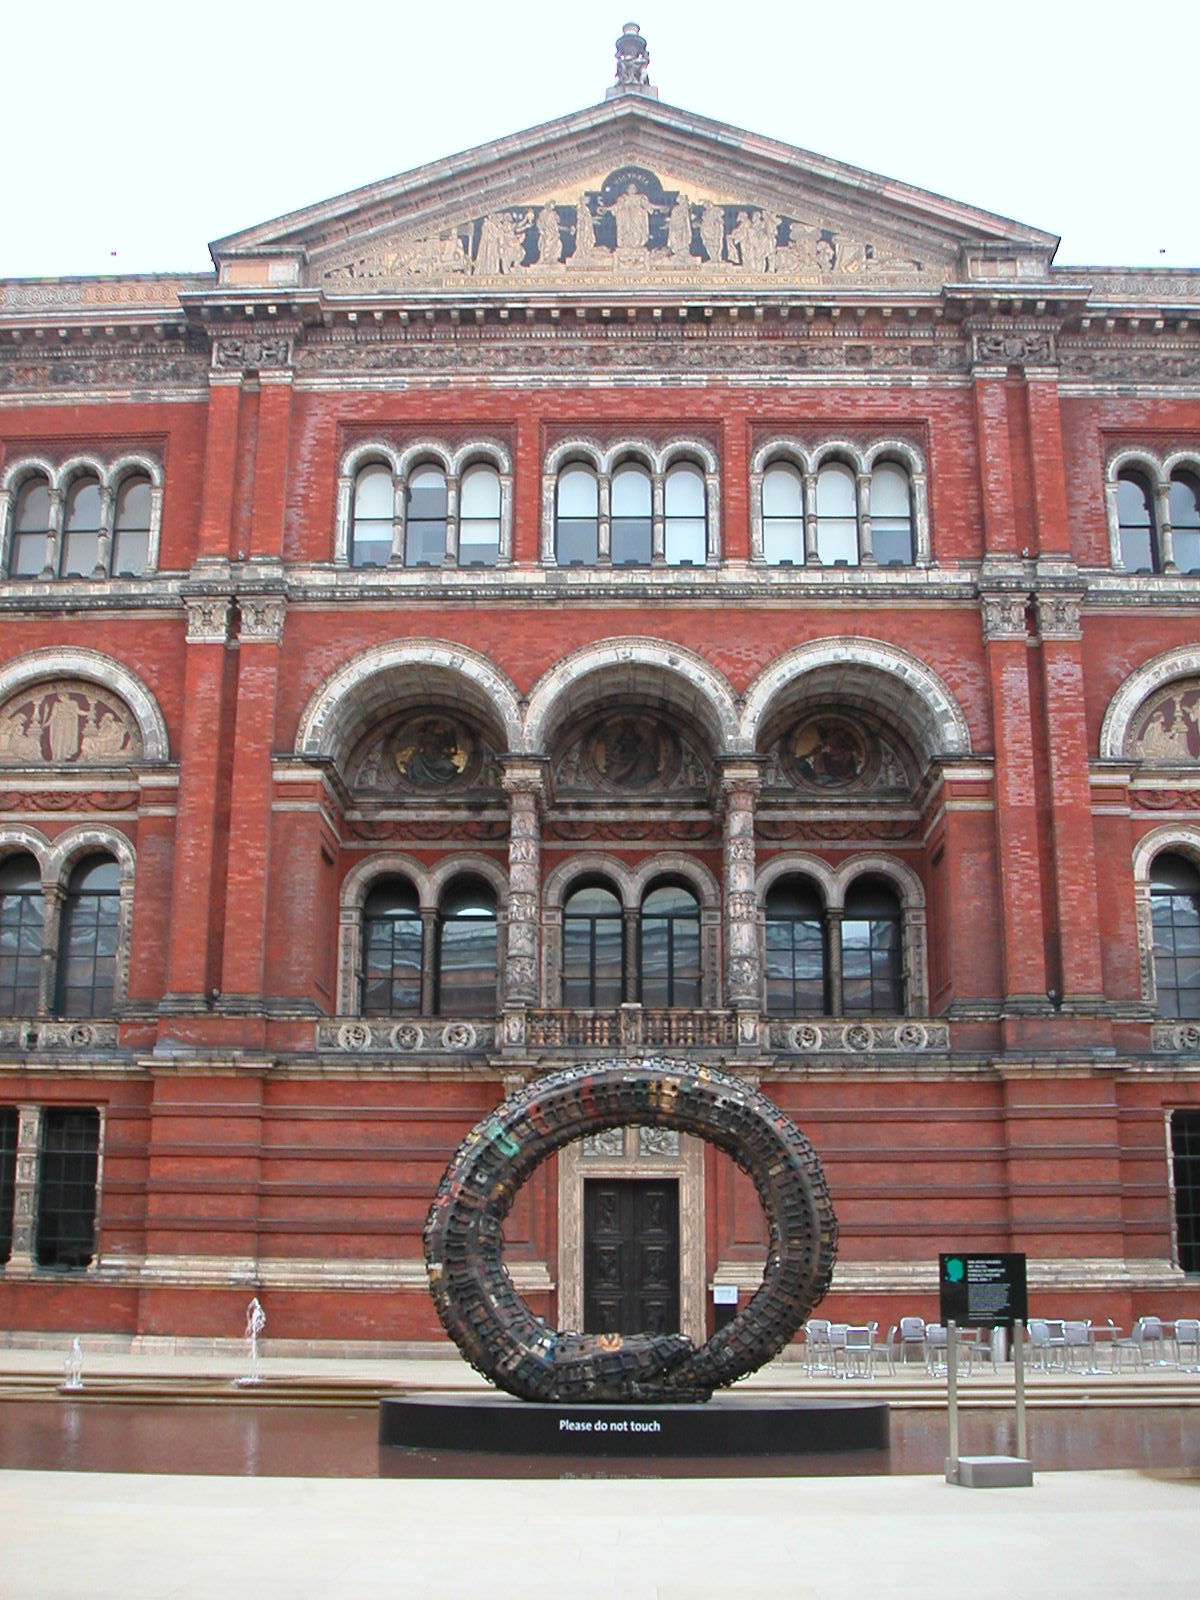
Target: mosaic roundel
(1168, 728)
(829, 752)
(631, 752)
(432, 753)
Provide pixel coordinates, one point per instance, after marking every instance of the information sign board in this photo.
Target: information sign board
(983, 1291)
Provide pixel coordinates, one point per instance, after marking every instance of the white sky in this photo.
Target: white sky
(134, 133)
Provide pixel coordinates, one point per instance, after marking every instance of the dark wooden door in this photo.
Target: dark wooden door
(630, 1256)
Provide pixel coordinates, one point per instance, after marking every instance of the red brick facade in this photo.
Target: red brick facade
(258, 1133)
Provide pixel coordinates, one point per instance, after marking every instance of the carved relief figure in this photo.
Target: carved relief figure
(712, 231)
(1170, 729)
(549, 236)
(66, 724)
(679, 228)
(435, 757)
(630, 752)
(585, 233)
(501, 243)
(632, 212)
(828, 752)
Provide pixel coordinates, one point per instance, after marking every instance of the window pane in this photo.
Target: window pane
(783, 492)
(685, 492)
(374, 509)
(131, 528)
(1136, 525)
(87, 966)
(22, 918)
(577, 524)
(670, 948)
(8, 1178)
(891, 516)
(593, 944)
(467, 951)
(66, 1202)
(1175, 911)
(837, 519)
(31, 530)
(81, 529)
(577, 493)
(425, 519)
(686, 532)
(631, 492)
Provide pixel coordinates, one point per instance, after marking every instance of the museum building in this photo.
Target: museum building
(634, 590)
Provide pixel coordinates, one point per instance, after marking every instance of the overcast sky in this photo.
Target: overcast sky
(135, 133)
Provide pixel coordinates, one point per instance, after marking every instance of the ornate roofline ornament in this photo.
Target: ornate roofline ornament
(633, 65)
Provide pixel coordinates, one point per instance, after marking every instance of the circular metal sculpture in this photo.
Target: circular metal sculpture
(499, 1334)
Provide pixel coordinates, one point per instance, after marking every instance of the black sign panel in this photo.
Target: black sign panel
(983, 1291)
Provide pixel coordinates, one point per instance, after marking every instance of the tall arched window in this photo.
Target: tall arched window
(31, 530)
(373, 518)
(577, 517)
(479, 517)
(391, 945)
(22, 920)
(131, 527)
(872, 950)
(593, 948)
(1185, 520)
(669, 963)
(632, 517)
(783, 515)
(1175, 910)
(425, 518)
(686, 516)
(81, 529)
(1135, 524)
(837, 516)
(891, 516)
(468, 950)
(87, 951)
(795, 949)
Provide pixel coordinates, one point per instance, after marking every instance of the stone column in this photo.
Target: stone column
(525, 784)
(29, 1132)
(741, 783)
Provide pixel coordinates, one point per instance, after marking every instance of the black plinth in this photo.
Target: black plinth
(729, 1425)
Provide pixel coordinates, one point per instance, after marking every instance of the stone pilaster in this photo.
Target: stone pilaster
(741, 783)
(525, 784)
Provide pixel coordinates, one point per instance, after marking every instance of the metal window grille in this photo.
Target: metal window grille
(8, 1177)
(1185, 1155)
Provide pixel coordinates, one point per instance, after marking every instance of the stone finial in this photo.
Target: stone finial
(633, 62)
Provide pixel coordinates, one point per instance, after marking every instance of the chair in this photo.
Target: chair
(818, 1352)
(858, 1351)
(837, 1346)
(1081, 1352)
(1187, 1343)
(1130, 1344)
(912, 1339)
(937, 1340)
(1153, 1339)
(1047, 1343)
(885, 1349)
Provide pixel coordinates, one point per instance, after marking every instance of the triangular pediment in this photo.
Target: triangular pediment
(633, 194)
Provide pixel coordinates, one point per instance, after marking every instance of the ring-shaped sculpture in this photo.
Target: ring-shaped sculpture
(502, 1337)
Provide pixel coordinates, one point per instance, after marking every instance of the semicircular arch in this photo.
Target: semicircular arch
(42, 666)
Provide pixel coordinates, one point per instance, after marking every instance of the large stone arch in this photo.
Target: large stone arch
(1182, 662)
(374, 682)
(869, 674)
(43, 666)
(650, 672)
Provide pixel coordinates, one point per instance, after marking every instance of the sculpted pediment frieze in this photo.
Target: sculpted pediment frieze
(634, 226)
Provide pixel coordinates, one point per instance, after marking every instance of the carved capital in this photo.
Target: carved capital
(208, 620)
(1004, 616)
(262, 619)
(1058, 616)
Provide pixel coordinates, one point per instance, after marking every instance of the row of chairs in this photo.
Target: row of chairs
(849, 1350)
(1076, 1345)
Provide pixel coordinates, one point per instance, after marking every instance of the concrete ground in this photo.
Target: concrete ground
(90, 1536)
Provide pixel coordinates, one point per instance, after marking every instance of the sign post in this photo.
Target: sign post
(984, 1291)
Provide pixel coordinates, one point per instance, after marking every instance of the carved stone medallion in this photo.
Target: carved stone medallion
(433, 753)
(1168, 726)
(68, 723)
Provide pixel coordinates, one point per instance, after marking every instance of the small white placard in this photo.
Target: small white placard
(724, 1294)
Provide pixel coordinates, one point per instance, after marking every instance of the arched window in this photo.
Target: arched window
(81, 530)
(783, 515)
(131, 527)
(577, 517)
(22, 920)
(373, 518)
(891, 516)
(593, 948)
(632, 517)
(87, 950)
(31, 530)
(425, 518)
(392, 945)
(872, 950)
(795, 949)
(479, 517)
(669, 954)
(468, 951)
(1175, 911)
(1185, 520)
(686, 516)
(837, 516)
(1135, 524)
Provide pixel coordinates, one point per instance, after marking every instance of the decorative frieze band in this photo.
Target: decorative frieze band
(251, 355)
(1176, 1038)
(860, 1038)
(404, 1038)
(37, 1034)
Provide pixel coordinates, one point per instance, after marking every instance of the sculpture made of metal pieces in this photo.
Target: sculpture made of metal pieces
(501, 1336)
